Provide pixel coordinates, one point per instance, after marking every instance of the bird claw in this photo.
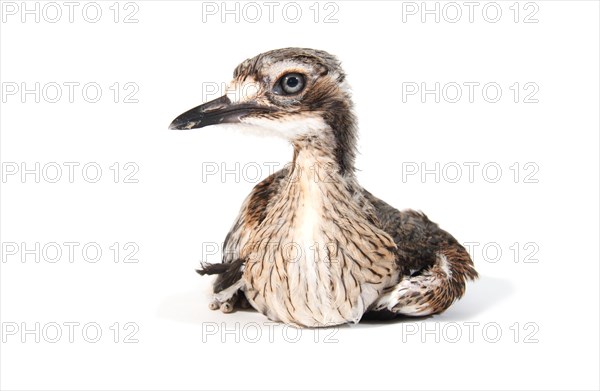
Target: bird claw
(225, 300)
(226, 306)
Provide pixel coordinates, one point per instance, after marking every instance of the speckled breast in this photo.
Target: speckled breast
(316, 260)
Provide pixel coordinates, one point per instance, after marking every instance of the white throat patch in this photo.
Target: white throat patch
(290, 128)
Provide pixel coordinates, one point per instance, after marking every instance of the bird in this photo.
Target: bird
(310, 246)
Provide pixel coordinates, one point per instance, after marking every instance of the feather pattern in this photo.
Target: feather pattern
(310, 247)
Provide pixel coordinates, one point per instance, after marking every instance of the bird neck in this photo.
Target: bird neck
(312, 163)
(334, 146)
(338, 114)
(322, 158)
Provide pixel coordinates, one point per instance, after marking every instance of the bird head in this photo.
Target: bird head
(298, 94)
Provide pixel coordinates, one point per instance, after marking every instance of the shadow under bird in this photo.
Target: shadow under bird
(310, 246)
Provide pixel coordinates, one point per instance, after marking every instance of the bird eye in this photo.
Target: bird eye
(290, 84)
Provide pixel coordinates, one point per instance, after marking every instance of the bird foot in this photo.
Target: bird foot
(225, 300)
(225, 307)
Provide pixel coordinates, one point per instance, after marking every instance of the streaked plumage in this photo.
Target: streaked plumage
(310, 246)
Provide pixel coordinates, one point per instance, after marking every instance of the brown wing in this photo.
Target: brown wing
(418, 238)
(434, 266)
(252, 213)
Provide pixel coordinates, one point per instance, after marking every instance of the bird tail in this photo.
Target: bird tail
(228, 273)
(434, 289)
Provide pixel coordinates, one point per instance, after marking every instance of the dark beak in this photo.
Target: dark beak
(218, 111)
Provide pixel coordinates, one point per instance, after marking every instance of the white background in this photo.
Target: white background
(547, 311)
